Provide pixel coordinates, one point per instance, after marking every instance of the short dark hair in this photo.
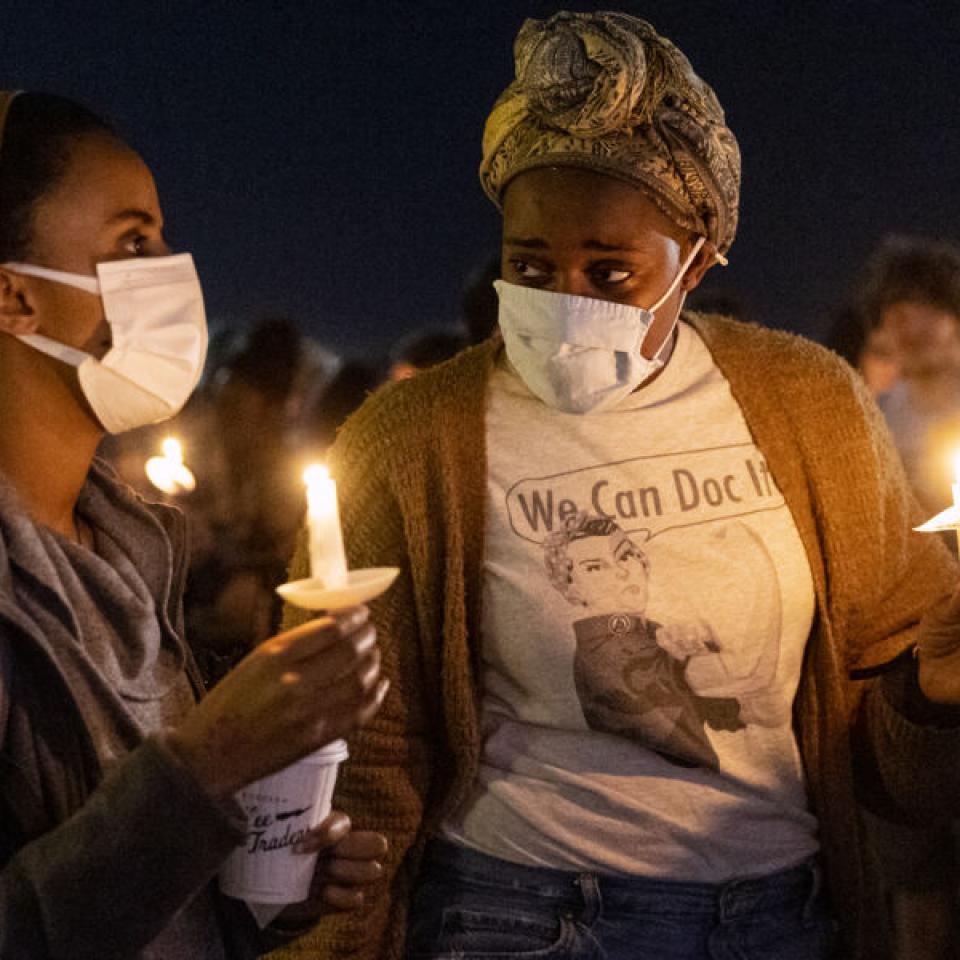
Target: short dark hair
(267, 357)
(39, 132)
(428, 347)
(914, 269)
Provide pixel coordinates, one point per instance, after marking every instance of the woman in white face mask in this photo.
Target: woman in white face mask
(646, 552)
(101, 328)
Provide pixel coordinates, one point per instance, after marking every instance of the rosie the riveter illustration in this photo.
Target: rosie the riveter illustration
(630, 672)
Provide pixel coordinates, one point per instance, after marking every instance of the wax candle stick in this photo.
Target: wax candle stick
(328, 561)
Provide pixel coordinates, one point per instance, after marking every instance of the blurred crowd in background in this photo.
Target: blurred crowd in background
(270, 403)
(273, 398)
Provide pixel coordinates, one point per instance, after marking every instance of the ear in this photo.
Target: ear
(705, 259)
(17, 315)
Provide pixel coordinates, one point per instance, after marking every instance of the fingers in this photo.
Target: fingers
(344, 712)
(361, 845)
(342, 898)
(374, 702)
(310, 638)
(325, 834)
(325, 653)
(349, 861)
(355, 654)
(352, 873)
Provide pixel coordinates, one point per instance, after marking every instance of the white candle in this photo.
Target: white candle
(327, 559)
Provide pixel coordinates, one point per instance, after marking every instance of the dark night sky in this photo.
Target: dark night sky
(319, 159)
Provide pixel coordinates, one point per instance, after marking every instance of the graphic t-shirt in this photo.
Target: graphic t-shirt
(646, 605)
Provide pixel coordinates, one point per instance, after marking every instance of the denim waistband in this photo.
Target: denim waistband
(801, 883)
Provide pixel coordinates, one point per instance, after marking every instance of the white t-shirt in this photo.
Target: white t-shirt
(646, 603)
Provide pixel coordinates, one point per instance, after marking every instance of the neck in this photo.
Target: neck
(47, 440)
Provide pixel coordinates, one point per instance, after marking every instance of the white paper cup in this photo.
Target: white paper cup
(280, 810)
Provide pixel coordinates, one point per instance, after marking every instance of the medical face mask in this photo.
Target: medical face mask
(579, 354)
(158, 327)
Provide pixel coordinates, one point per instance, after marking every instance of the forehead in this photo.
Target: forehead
(917, 313)
(585, 205)
(102, 179)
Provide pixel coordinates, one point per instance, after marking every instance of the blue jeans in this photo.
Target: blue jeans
(469, 906)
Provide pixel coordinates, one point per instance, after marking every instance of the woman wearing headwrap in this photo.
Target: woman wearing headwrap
(735, 529)
(116, 788)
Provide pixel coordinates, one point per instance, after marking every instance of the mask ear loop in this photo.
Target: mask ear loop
(657, 357)
(78, 280)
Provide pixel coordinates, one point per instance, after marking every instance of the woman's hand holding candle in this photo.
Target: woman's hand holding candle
(938, 645)
(292, 695)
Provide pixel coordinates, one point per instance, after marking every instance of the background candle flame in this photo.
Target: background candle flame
(172, 450)
(168, 473)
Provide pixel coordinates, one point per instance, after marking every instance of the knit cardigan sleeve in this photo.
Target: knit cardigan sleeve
(880, 579)
(906, 750)
(384, 784)
(834, 459)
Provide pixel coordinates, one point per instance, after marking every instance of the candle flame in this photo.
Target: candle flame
(168, 473)
(956, 466)
(315, 474)
(172, 449)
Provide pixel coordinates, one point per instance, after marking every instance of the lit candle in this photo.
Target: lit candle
(327, 559)
(169, 473)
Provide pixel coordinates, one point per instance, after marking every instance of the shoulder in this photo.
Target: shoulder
(753, 355)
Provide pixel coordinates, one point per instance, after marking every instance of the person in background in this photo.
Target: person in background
(868, 348)
(909, 302)
(478, 301)
(911, 295)
(422, 349)
(516, 828)
(249, 499)
(353, 382)
(116, 786)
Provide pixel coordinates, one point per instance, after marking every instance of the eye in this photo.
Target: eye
(526, 270)
(135, 245)
(609, 276)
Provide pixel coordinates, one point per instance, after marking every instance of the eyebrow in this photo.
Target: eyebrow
(132, 213)
(535, 243)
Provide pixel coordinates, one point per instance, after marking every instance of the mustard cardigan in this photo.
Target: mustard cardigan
(411, 472)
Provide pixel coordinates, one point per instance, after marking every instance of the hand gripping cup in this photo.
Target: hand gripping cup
(280, 810)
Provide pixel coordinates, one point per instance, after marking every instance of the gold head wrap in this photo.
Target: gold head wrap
(605, 92)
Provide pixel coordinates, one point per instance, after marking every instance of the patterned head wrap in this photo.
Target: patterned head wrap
(605, 92)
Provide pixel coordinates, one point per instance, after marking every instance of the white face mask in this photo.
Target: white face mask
(158, 326)
(579, 354)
